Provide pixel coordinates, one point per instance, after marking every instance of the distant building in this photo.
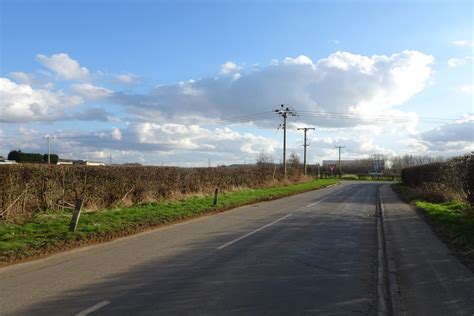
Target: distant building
(66, 161)
(89, 163)
(4, 161)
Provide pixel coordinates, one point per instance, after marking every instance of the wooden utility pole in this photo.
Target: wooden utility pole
(284, 111)
(305, 129)
(340, 147)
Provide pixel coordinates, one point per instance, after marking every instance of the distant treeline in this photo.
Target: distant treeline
(21, 157)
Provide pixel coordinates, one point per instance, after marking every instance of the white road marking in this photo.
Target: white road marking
(327, 197)
(252, 232)
(93, 308)
(317, 202)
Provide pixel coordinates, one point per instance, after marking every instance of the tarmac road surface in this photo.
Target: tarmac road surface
(312, 253)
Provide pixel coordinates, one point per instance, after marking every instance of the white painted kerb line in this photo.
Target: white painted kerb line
(252, 232)
(93, 308)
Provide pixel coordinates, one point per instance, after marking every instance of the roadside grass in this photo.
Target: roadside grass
(49, 231)
(453, 221)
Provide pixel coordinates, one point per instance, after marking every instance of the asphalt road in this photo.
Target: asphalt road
(312, 253)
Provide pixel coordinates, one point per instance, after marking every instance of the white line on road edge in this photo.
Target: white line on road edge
(252, 232)
(93, 308)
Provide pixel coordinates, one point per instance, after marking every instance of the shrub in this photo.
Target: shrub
(26, 189)
(443, 181)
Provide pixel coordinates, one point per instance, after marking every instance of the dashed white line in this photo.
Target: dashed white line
(317, 202)
(93, 308)
(252, 232)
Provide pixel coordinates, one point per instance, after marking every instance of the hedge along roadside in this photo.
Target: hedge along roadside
(443, 181)
(48, 232)
(26, 189)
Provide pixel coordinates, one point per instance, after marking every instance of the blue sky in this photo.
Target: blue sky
(134, 99)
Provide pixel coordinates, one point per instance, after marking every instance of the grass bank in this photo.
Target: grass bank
(453, 221)
(48, 232)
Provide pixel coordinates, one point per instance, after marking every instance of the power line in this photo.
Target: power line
(339, 147)
(284, 111)
(305, 129)
(49, 147)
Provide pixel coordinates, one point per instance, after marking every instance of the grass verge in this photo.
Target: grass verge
(48, 232)
(452, 221)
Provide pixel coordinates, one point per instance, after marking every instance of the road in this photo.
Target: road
(312, 253)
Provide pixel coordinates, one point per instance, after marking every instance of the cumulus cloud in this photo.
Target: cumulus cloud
(64, 66)
(90, 91)
(189, 144)
(22, 103)
(127, 79)
(229, 68)
(456, 62)
(343, 82)
(449, 139)
(463, 43)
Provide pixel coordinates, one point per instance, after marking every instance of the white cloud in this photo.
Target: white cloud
(463, 43)
(32, 79)
(449, 139)
(90, 91)
(22, 103)
(23, 77)
(467, 88)
(343, 82)
(64, 66)
(229, 68)
(127, 79)
(175, 143)
(456, 62)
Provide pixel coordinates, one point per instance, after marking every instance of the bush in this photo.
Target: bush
(443, 181)
(26, 189)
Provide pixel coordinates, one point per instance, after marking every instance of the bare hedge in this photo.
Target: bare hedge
(26, 189)
(443, 181)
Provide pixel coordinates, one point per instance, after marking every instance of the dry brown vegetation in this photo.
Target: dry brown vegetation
(28, 189)
(443, 181)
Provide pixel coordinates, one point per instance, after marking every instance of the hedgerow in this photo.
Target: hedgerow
(26, 189)
(443, 181)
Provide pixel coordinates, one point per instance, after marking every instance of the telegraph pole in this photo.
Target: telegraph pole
(339, 147)
(49, 147)
(305, 129)
(285, 111)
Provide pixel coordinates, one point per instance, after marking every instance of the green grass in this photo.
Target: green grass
(50, 230)
(455, 219)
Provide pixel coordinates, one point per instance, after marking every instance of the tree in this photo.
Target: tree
(294, 163)
(53, 158)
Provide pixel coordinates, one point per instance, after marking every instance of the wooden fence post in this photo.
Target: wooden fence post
(76, 214)
(216, 193)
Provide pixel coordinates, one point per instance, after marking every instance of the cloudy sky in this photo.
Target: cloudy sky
(181, 82)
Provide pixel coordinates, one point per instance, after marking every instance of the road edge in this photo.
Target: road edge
(390, 301)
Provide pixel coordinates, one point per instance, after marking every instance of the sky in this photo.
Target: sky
(184, 82)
